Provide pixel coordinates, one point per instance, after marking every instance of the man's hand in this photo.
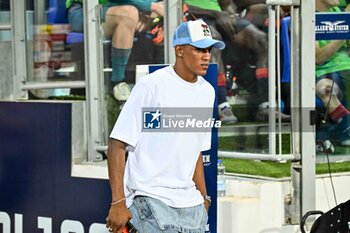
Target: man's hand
(117, 218)
(206, 205)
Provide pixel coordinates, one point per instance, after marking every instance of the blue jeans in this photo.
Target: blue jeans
(76, 17)
(152, 216)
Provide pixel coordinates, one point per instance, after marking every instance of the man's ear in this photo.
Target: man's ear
(179, 51)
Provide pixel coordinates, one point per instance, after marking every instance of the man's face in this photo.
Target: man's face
(196, 60)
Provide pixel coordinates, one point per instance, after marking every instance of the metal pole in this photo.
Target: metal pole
(272, 80)
(5, 27)
(296, 115)
(93, 76)
(252, 156)
(173, 12)
(19, 51)
(39, 12)
(307, 71)
(52, 85)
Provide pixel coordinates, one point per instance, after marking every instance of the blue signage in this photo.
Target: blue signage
(332, 26)
(38, 193)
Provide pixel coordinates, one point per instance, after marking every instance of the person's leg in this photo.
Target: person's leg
(345, 124)
(120, 24)
(254, 40)
(225, 112)
(250, 40)
(345, 87)
(75, 18)
(216, 57)
(331, 89)
(329, 92)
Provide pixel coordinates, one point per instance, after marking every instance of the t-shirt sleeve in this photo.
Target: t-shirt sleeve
(129, 123)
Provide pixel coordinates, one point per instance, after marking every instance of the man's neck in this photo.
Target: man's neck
(184, 75)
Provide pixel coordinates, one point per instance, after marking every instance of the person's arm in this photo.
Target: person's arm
(325, 52)
(199, 180)
(118, 214)
(228, 6)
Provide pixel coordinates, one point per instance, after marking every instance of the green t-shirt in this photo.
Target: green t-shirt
(338, 61)
(205, 4)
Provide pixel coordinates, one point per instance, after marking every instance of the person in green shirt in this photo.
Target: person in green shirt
(333, 75)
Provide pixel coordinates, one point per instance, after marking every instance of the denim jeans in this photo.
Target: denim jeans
(152, 216)
(76, 18)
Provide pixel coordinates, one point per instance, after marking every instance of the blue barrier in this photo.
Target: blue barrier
(38, 193)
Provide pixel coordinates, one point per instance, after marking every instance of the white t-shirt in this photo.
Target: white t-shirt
(161, 164)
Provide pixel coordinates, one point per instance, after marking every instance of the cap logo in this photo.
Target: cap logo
(199, 30)
(196, 33)
(206, 30)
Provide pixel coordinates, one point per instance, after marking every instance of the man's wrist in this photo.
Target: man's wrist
(207, 198)
(117, 202)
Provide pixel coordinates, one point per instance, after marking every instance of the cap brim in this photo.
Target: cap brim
(206, 43)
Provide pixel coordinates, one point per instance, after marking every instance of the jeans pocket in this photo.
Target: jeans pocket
(155, 216)
(144, 218)
(205, 219)
(143, 208)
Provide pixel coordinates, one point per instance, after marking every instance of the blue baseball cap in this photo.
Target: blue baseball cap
(197, 34)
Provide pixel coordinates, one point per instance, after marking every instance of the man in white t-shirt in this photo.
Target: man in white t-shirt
(161, 187)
